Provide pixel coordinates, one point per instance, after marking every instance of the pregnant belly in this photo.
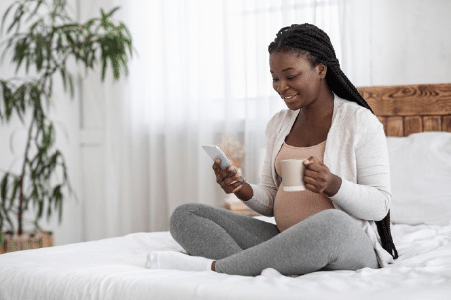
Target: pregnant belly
(291, 208)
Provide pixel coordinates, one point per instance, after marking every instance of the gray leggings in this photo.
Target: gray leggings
(328, 240)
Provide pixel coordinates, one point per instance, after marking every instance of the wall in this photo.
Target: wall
(410, 42)
(101, 117)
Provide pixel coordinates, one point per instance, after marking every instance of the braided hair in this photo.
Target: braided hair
(313, 43)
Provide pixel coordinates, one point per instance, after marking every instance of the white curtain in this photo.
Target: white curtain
(201, 70)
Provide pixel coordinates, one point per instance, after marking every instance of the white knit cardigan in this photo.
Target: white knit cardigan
(356, 151)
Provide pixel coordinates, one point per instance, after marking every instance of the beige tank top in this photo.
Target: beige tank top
(292, 207)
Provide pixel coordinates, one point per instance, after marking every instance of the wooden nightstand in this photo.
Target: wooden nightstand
(234, 204)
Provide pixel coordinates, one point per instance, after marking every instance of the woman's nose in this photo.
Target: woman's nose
(281, 86)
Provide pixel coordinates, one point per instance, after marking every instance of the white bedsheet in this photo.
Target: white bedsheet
(115, 269)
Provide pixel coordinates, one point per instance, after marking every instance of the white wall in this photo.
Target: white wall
(410, 42)
(101, 211)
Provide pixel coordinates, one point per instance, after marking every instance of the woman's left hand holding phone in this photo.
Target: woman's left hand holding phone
(228, 178)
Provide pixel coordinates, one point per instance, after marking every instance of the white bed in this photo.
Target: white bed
(115, 268)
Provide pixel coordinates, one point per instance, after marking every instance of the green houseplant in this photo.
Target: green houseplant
(51, 41)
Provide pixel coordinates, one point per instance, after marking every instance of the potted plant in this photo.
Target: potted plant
(51, 41)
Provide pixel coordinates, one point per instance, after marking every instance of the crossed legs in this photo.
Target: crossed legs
(241, 245)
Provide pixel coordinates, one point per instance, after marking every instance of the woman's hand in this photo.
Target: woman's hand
(228, 178)
(319, 179)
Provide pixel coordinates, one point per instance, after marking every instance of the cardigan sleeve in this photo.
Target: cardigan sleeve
(264, 193)
(369, 198)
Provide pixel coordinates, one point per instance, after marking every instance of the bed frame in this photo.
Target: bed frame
(406, 109)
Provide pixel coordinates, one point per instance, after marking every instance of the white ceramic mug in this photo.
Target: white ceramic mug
(292, 175)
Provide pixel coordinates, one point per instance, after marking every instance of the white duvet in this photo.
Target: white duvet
(115, 269)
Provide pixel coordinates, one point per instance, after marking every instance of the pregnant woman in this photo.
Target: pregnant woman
(341, 220)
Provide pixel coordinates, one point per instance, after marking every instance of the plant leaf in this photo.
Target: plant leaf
(39, 54)
(49, 211)
(9, 105)
(124, 64)
(4, 188)
(20, 50)
(71, 85)
(14, 193)
(35, 9)
(7, 98)
(113, 11)
(104, 65)
(90, 22)
(115, 66)
(17, 18)
(40, 210)
(63, 77)
(5, 15)
(69, 38)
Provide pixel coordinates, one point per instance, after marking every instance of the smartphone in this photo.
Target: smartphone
(215, 152)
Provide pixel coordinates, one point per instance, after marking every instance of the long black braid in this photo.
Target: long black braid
(315, 45)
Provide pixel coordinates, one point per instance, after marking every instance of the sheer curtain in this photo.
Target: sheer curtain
(200, 70)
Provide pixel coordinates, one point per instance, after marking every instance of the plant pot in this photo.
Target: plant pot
(13, 242)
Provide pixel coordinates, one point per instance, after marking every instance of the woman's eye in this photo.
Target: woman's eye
(291, 77)
(275, 79)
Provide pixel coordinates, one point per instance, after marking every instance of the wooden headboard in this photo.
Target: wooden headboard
(406, 109)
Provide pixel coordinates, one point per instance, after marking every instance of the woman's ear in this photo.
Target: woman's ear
(322, 70)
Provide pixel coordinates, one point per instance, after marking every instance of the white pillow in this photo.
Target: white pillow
(420, 166)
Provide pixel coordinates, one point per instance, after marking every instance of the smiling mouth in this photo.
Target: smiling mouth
(289, 97)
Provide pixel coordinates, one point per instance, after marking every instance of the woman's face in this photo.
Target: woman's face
(295, 80)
